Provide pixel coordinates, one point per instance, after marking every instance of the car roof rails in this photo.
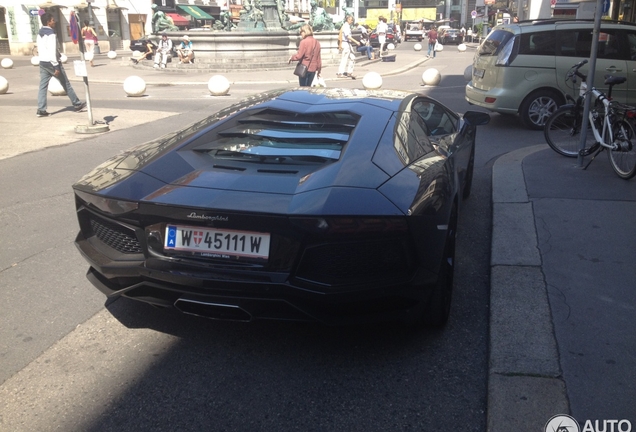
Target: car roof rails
(570, 20)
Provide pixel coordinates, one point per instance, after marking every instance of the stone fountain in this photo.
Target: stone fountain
(263, 39)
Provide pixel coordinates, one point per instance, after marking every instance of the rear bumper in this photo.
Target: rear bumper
(503, 101)
(227, 295)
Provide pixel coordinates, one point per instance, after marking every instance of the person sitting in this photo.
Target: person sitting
(365, 46)
(163, 51)
(145, 47)
(185, 52)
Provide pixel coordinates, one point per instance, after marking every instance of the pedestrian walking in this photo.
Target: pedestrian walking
(309, 55)
(90, 40)
(163, 51)
(432, 40)
(347, 62)
(50, 66)
(381, 30)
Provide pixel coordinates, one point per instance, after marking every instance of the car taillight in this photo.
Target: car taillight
(107, 205)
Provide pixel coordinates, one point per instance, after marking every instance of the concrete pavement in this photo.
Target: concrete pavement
(533, 331)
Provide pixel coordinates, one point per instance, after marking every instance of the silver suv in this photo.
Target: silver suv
(520, 68)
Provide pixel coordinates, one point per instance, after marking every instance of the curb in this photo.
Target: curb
(525, 383)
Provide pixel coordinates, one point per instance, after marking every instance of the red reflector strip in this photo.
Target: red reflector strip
(490, 99)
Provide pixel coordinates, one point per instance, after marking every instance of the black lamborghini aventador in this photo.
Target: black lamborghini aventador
(334, 205)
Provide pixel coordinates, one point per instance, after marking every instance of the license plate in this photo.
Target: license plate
(479, 73)
(217, 243)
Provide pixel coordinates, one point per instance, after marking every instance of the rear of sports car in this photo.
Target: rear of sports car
(262, 217)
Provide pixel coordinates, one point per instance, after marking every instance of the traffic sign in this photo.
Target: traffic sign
(473, 14)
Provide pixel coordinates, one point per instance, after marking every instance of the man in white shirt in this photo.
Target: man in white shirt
(50, 66)
(381, 30)
(347, 62)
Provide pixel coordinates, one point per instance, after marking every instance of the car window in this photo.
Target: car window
(631, 43)
(578, 43)
(436, 118)
(538, 43)
(495, 41)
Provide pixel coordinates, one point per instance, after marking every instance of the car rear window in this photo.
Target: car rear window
(495, 41)
(538, 43)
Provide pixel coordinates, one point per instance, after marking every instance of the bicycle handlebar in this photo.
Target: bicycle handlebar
(574, 71)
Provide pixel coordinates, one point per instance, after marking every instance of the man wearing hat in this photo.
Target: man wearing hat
(186, 55)
(163, 51)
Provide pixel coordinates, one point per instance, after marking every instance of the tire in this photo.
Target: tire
(439, 304)
(538, 107)
(562, 131)
(623, 158)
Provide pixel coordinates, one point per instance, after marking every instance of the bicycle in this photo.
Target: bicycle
(609, 126)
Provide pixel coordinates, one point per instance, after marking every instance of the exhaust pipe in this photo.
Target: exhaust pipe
(218, 311)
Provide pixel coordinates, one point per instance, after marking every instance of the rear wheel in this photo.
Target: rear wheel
(537, 108)
(439, 304)
(562, 131)
(623, 158)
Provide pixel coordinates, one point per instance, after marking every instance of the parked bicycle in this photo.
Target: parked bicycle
(610, 126)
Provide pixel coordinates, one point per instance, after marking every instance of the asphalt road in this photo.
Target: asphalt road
(67, 363)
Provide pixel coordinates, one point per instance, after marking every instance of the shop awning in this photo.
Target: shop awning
(50, 4)
(195, 12)
(112, 4)
(84, 5)
(178, 20)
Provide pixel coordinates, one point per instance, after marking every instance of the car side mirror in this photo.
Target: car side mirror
(477, 118)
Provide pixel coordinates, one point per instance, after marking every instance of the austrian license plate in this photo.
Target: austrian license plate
(217, 243)
(479, 73)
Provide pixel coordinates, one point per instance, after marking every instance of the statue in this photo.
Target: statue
(160, 22)
(320, 19)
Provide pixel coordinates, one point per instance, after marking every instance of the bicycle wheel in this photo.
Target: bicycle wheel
(562, 131)
(623, 158)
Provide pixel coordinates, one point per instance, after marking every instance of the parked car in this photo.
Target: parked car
(331, 205)
(520, 68)
(451, 36)
(390, 38)
(414, 30)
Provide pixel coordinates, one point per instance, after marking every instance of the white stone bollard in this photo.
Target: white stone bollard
(4, 85)
(417, 47)
(35, 61)
(55, 87)
(6, 63)
(372, 81)
(112, 55)
(468, 73)
(461, 47)
(134, 86)
(63, 58)
(218, 85)
(431, 77)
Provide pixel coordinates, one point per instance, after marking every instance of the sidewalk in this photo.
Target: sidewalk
(534, 268)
